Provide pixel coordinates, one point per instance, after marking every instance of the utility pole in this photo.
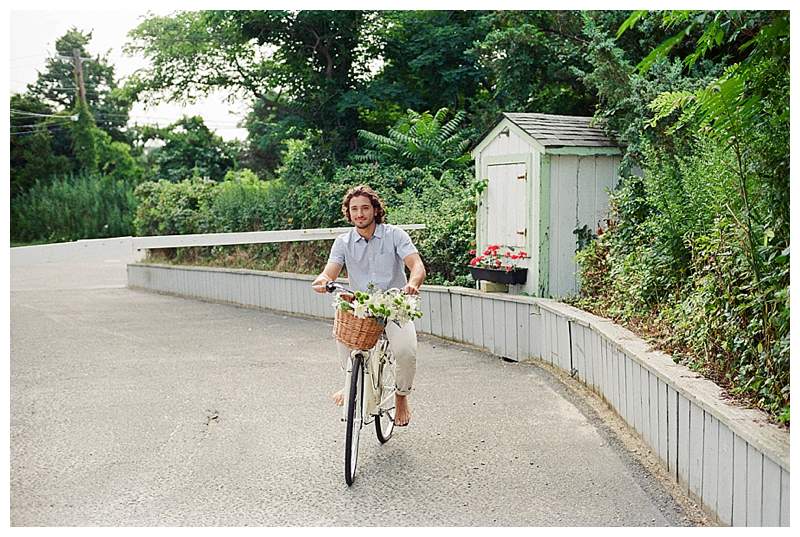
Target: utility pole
(76, 58)
(84, 143)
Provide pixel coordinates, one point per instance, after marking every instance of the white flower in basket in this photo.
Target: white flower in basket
(384, 306)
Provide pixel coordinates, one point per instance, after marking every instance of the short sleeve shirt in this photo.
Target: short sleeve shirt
(378, 261)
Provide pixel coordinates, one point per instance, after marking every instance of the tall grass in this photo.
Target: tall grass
(67, 208)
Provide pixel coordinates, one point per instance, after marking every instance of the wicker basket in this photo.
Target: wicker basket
(354, 332)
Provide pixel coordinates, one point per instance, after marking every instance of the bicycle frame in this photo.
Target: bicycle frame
(374, 361)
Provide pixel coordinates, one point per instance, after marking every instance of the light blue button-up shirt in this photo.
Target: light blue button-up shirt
(379, 260)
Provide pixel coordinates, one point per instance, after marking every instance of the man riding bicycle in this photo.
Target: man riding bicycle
(375, 252)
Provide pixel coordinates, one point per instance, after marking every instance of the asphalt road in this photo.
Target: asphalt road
(133, 409)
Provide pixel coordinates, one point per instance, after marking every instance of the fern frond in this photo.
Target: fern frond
(440, 115)
(666, 103)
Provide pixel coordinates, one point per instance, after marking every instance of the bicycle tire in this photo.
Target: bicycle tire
(353, 428)
(384, 422)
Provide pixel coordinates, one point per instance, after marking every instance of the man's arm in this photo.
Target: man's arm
(330, 273)
(417, 268)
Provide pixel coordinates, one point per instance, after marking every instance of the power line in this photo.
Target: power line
(32, 117)
(52, 128)
(61, 88)
(73, 117)
(50, 121)
(90, 92)
(47, 123)
(70, 89)
(28, 133)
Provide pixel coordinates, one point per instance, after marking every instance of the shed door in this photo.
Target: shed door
(508, 202)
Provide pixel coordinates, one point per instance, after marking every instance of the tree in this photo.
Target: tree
(47, 142)
(534, 59)
(302, 68)
(56, 86)
(427, 63)
(35, 152)
(187, 148)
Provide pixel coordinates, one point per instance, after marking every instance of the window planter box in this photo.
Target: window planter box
(518, 275)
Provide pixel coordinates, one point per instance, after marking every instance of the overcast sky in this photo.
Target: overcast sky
(33, 37)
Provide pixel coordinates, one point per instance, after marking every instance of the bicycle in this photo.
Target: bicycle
(370, 382)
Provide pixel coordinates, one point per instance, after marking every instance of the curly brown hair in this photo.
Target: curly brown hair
(364, 190)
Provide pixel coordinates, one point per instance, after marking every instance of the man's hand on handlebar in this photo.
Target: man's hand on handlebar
(411, 289)
(320, 285)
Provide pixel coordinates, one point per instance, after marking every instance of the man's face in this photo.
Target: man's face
(362, 213)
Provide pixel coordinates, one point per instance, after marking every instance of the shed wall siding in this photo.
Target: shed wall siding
(579, 187)
(506, 145)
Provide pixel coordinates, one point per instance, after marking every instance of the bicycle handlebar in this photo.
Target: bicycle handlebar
(332, 287)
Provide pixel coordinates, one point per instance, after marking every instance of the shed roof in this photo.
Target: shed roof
(561, 131)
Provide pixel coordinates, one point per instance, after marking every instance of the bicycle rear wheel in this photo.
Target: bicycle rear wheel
(354, 419)
(384, 422)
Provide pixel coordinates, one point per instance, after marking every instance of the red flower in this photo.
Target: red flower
(494, 256)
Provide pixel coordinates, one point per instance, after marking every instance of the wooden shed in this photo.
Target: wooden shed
(547, 176)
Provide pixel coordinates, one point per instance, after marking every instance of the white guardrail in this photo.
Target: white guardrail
(133, 249)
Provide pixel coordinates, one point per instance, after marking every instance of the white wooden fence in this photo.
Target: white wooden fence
(132, 249)
(729, 458)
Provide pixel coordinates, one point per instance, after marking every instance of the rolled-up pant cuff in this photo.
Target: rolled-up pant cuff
(403, 340)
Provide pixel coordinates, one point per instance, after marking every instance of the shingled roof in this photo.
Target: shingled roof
(561, 131)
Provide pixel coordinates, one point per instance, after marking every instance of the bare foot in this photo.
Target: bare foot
(402, 413)
(338, 398)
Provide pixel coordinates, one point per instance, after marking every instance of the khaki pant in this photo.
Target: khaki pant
(403, 340)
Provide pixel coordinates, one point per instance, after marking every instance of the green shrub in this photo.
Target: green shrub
(244, 203)
(73, 207)
(735, 328)
(306, 159)
(189, 149)
(179, 208)
(241, 203)
(115, 159)
(446, 207)
(677, 260)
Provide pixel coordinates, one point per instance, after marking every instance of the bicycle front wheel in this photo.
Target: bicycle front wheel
(354, 419)
(384, 422)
